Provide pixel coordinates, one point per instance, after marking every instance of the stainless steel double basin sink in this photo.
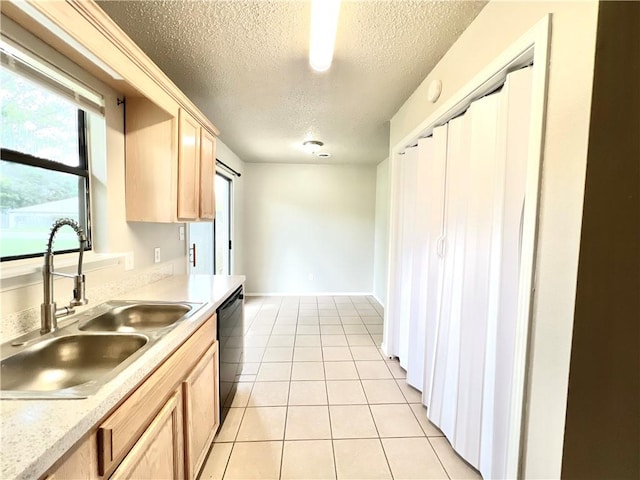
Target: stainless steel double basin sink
(76, 360)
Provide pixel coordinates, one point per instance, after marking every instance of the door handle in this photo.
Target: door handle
(192, 254)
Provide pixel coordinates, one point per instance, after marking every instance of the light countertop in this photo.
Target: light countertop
(34, 434)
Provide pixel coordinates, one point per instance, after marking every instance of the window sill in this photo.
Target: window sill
(29, 271)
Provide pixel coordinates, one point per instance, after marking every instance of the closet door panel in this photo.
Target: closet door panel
(392, 310)
(495, 268)
(454, 250)
(424, 196)
(513, 141)
(476, 284)
(409, 165)
(444, 390)
(436, 171)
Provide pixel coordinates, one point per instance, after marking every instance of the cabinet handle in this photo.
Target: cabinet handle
(105, 449)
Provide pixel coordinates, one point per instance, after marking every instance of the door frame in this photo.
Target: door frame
(229, 180)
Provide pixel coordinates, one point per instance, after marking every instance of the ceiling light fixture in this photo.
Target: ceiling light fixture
(324, 25)
(312, 146)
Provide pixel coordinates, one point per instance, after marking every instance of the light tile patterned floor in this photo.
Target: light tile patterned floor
(317, 400)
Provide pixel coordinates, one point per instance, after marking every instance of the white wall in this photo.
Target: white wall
(381, 246)
(224, 154)
(572, 51)
(303, 220)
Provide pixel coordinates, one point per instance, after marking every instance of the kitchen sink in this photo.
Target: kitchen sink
(136, 317)
(93, 347)
(68, 361)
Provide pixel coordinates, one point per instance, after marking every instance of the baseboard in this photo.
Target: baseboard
(380, 302)
(312, 294)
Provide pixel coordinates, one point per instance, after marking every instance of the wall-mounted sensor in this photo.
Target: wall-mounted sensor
(434, 91)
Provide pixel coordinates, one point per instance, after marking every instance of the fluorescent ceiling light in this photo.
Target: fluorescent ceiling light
(324, 25)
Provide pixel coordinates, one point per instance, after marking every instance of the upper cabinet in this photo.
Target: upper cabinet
(207, 175)
(188, 167)
(170, 165)
(196, 170)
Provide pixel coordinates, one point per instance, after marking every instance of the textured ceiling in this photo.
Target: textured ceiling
(245, 65)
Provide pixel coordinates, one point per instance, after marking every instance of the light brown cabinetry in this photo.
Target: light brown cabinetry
(170, 164)
(202, 418)
(151, 167)
(158, 454)
(81, 462)
(188, 167)
(207, 175)
(164, 428)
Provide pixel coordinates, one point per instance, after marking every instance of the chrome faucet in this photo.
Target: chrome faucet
(48, 311)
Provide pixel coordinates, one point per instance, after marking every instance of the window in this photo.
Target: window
(44, 171)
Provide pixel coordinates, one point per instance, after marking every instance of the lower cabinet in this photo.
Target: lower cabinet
(158, 452)
(163, 428)
(201, 415)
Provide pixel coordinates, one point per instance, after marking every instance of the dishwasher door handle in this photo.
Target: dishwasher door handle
(237, 295)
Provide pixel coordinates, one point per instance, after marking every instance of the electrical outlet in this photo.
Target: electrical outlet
(156, 255)
(128, 261)
(181, 233)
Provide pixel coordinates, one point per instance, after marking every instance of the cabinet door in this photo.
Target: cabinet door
(201, 408)
(81, 463)
(207, 174)
(158, 452)
(150, 153)
(188, 167)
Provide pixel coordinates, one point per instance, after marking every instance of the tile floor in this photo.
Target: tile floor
(317, 400)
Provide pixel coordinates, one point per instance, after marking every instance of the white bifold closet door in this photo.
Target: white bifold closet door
(470, 394)
(499, 455)
(477, 215)
(413, 363)
(433, 154)
(405, 215)
(419, 219)
(428, 229)
(397, 329)
(443, 400)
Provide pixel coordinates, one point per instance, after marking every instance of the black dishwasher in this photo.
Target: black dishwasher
(230, 336)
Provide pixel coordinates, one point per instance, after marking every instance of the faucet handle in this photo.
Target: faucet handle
(79, 297)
